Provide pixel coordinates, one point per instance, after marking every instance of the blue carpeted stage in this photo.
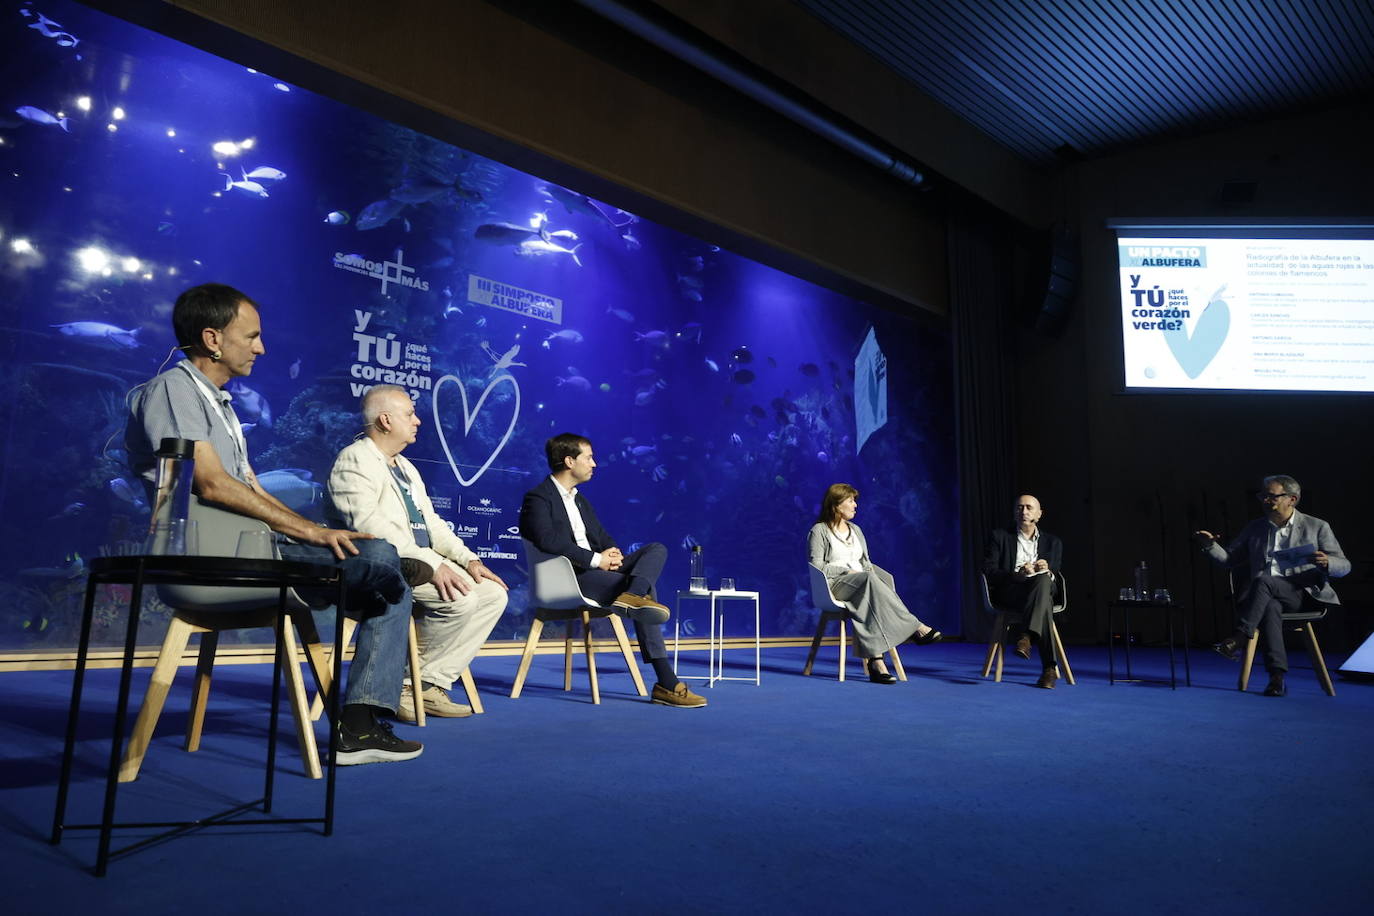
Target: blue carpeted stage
(946, 794)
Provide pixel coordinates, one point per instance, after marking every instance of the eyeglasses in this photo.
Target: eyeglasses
(1271, 497)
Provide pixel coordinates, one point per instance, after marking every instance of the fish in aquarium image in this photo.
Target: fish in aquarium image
(508, 305)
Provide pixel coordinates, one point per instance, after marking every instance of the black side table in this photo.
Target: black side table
(1169, 609)
(229, 572)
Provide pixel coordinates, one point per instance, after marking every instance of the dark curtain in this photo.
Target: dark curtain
(981, 287)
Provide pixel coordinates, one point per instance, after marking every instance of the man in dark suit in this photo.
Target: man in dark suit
(559, 520)
(1020, 563)
(1290, 556)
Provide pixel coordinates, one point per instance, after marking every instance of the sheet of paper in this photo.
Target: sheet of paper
(1295, 556)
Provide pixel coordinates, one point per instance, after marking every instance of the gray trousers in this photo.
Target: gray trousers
(880, 619)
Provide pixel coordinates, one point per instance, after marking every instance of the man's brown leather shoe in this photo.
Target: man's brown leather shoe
(679, 696)
(1023, 646)
(645, 610)
(1047, 678)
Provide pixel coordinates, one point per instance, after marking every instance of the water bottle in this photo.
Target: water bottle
(697, 581)
(1142, 582)
(175, 473)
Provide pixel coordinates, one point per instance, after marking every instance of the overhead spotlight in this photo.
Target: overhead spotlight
(130, 265)
(21, 246)
(84, 103)
(118, 113)
(112, 127)
(226, 148)
(171, 133)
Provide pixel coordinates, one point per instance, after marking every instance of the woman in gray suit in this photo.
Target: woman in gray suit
(881, 620)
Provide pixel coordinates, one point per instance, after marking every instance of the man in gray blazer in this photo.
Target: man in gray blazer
(1291, 557)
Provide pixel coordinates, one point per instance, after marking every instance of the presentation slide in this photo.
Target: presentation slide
(1247, 314)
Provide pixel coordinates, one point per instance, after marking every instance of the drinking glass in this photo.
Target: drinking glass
(1127, 594)
(257, 545)
(1162, 596)
(696, 584)
(727, 585)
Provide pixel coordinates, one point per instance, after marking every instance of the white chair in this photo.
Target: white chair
(832, 610)
(208, 610)
(1004, 618)
(555, 594)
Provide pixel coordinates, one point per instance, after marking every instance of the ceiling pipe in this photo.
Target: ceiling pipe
(756, 85)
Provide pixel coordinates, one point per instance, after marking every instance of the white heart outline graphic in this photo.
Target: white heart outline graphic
(470, 418)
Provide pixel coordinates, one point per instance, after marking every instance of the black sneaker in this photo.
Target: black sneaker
(415, 572)
(377, 745)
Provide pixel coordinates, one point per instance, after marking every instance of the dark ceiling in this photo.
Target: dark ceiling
(1062, 80)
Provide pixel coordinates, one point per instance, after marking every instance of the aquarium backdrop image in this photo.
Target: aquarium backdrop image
(721, 396)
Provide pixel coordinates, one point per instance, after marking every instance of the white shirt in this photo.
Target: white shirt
(579, 527)
(1027, 548)
(1280, 538)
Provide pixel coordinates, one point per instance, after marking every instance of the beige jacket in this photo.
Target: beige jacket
(367, 499)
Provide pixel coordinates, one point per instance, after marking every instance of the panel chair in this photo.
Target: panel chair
(1005, 618)
(350, 626)
(832, 610)
(1300, 620)
(210, 611)
(556, 596)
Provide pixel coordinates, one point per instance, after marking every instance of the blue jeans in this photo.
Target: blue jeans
(380, 598)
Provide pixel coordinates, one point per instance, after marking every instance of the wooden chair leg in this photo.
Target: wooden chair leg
(416, 682)
(591, 656)
(897, 664)
(300, 707)
(625, 650)
(324, 667)
(844, 641)
(470, 687)
(1318, 661)
(200, 688)
(316, 656)
(536, 627)
(567, 655)
(173, 645)
(1059, 652)
(815, 644)
(999, 632)
(1247, 661)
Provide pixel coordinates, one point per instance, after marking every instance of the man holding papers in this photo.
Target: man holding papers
(1290, 557)
(1020, 563)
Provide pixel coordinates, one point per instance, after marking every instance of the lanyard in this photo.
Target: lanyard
(234, 429)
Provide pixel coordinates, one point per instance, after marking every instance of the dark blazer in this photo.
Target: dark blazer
(544, 521)
(999, 555)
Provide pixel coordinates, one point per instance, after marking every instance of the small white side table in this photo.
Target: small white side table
(715, 653)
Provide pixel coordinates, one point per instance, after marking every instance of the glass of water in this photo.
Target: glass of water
(257, 545)
(727, 585)
(696, 584)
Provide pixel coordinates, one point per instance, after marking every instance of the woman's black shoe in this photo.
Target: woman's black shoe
(880, 677)
(932, 635)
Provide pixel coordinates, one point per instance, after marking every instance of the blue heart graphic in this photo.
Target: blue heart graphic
(1195, 352)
